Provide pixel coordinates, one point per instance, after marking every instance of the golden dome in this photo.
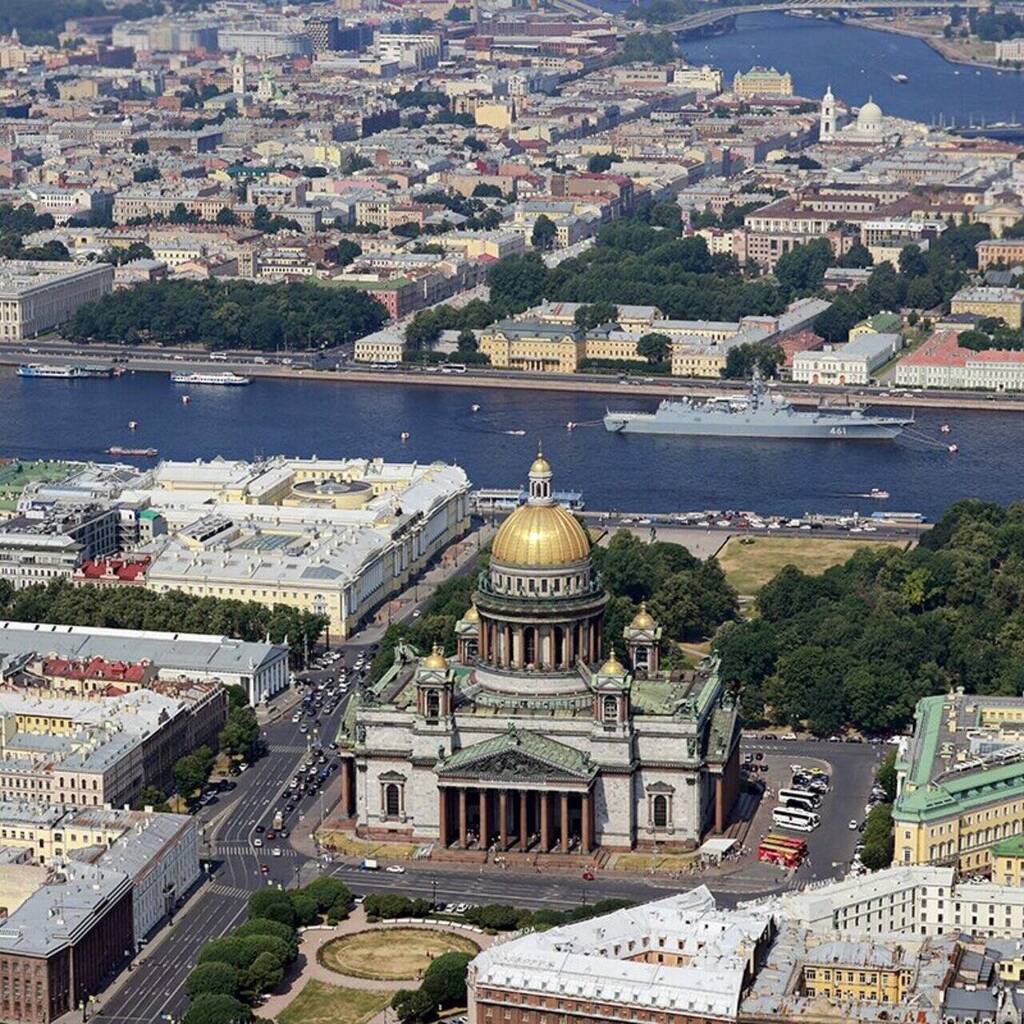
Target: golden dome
(540, 535)
(642, 619)
(472, 615)
(612, 667)
(435, 660)
(540, 466)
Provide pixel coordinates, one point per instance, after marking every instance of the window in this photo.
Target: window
(660, 811)
(391, 800)
(611, 709)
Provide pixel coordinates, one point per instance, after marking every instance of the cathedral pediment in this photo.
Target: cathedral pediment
(518, 756)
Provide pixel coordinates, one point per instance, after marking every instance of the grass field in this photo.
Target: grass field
(750, 566)
(391, 954)
(14, 475)
(319, 1003)
(351, 846)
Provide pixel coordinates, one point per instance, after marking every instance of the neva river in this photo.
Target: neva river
(80, 419)
(858, 63)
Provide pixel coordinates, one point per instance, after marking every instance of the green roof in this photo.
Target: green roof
(1012, 847)
(528, 749)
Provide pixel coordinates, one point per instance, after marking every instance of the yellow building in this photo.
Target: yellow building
(534, 345)
(1007, 303)
(762, 82)
(1008, 861)
(863, 972)
(953, 805)
(697, 360)
(495, 115)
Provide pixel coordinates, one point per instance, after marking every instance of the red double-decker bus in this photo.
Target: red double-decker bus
(777, 849)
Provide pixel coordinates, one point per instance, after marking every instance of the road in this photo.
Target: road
(153, 989)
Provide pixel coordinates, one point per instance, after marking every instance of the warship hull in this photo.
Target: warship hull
(770, 427)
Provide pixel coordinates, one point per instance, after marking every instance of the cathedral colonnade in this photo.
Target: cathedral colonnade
(515, 818)
(550, 647)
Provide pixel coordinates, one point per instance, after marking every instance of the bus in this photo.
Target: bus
(784, 850)
(796, 819)
(453, 367)
(219, 357)
(805, 799)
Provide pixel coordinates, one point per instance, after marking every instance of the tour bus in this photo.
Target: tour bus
(796, 819)
(805, 799)
(219, 357)
(453, 367)
(777, 849)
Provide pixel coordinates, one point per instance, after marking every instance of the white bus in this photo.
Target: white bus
(795, 819)
(219, 357)
(805, 799)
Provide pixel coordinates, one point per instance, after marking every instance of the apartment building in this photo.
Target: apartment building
(1006, 303)
(941, 362)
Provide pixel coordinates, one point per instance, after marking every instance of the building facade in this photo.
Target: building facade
(38, 295)
(529, 741)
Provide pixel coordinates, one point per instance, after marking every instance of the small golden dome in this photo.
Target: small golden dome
(472, 615)
(436, 659)
(642, 619)
(540, 466)
(612, 667)
(540, 535)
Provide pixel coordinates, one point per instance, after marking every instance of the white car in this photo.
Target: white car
(853, 825)
(257, 843)
(395, 869)
(277, 851)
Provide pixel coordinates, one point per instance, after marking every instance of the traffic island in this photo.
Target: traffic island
(391, 953)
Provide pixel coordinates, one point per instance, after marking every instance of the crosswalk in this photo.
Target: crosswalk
(227, 890)
(244, 849)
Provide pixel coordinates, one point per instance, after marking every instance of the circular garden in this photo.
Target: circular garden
(391, 954)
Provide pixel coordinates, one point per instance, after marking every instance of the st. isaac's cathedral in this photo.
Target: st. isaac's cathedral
(527, 740)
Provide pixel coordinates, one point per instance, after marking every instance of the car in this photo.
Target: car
(242, 766)
(288, 808)
(358, 900)
(758, 756)
(277, 851)
(395, 869)
(257, 843)
(283, 834)
(259, 828)
(304, 728)
(588, 876)
(853, 825)
(271, 834)
(265, 869)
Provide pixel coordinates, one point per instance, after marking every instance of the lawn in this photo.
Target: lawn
(749, 566)
(14, 475)
(319, 1003)
(391, 954)
(351, 846)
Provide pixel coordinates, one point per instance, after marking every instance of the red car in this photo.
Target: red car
(588, 876)
(271, 835)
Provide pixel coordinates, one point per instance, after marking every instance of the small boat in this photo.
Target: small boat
(147, 453)
(515, 433)
(132, 424)
(570, 425)
(944, 429)
(185, 399)
(474, 407)
(878, 494)
(405, 435)
(900, 79)
(954, 449)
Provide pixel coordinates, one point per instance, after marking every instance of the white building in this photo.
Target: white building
(852, 363)
(38, 295)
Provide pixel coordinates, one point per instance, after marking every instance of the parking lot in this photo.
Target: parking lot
(850, 769)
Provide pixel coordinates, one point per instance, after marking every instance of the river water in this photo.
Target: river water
(858, 62)
(80, 419)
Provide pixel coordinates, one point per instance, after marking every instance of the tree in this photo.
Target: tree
(150, 173)
(600, 163)
(150, 796)
(267, 926)
(410, 229)
(912, 262)
(741, 360)
(305, 909)
(264, 974)
(140, 147)
(191, 772)
(517, 281)
(327, 892)
(594, 315)
(237, 696)
(240, 732)
(466, 341)
(226, 216)
(272, 904)
(654, 347)
(212, 978)
(886, 775)
(834, 323)
(878, 838)
(474, 145)
(802, 269)
(857, 257)
(212, 1008)
(445, 979)
(486, 191)
(544, 233)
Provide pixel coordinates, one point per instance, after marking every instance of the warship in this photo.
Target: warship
(756, 414)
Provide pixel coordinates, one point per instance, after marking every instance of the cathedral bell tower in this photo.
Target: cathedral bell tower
(827, 121)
